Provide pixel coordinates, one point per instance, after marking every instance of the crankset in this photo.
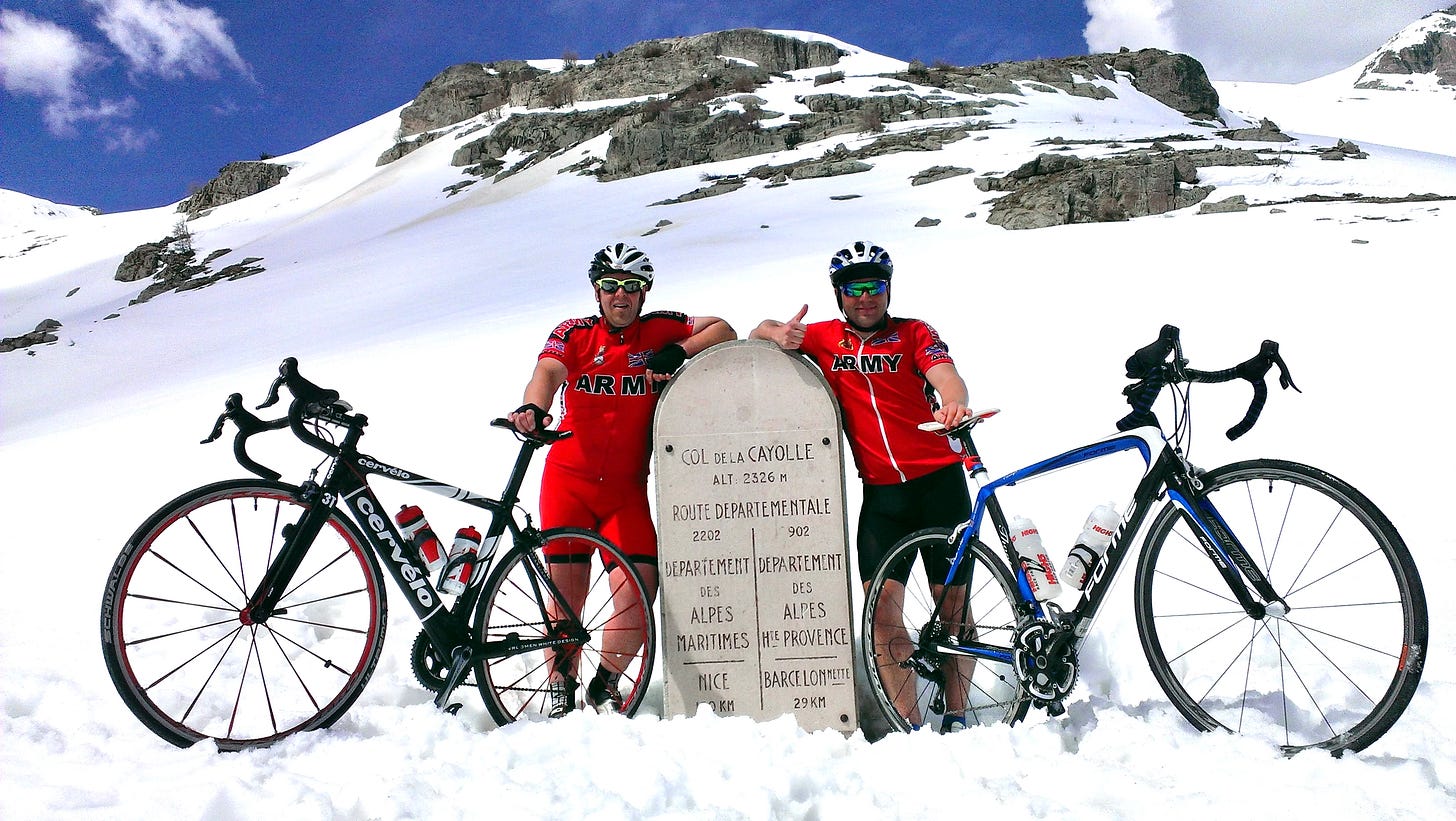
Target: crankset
(431, 670)
(1045, 663)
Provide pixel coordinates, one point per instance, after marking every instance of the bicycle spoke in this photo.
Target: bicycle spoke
(195, 656)
(1339, 569)
(297, 674)
(168, 562)
(540, 599)
(180, 662)
(225, 569)
(1337, 676)
(183, 631)
(208, 680)
(1318, 544)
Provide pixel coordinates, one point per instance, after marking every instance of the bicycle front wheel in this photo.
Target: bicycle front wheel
(1338, 669)
(181, 648)
(593, 590)
(913, 680)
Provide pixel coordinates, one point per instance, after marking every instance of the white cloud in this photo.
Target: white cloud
(1287, 41)
(168, 38)
(40, 58)
(1132, 23)
(62, 115)
(128, 139)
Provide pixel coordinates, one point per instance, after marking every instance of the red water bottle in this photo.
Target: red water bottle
(412, 524)
(467, 545)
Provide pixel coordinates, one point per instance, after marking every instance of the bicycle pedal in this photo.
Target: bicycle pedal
(454, 708)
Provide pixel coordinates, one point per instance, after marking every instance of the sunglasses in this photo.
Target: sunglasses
(631, 286)
(874, 287)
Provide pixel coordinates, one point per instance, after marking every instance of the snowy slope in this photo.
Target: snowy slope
(427, 310)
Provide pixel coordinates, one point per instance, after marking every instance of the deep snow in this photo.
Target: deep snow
(427, 312)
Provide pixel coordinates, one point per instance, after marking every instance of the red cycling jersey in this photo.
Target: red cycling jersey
(607, 400)
(881, 386)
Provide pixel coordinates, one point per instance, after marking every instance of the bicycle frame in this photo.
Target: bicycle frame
(1165, 471)
(448, 629)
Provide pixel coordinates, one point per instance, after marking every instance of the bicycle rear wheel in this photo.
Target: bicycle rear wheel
(611, 604)
(181, 649)
(897, 617)
(1336, 671)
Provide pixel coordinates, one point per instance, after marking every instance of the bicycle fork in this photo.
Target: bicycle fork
(1225, 550)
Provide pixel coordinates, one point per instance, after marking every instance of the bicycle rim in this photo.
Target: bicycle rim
(613, 608)
(1339, 669)
(981, 690)
(184, 656)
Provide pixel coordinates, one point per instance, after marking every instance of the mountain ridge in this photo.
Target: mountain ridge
(932, 121)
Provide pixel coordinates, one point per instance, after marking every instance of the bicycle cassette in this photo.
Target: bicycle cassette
(1048, 675)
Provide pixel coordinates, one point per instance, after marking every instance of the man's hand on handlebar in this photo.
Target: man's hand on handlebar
(530, 418)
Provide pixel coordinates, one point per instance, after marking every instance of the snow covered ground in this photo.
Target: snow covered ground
(427, 311)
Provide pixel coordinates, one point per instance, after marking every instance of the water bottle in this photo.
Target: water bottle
(1096, 533)
(1040, 576)
(412, 524)
(467, 544)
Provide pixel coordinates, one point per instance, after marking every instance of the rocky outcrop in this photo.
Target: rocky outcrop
(1343, 150)
(233, 182)
(539, 135)
(463, 91)
(1061, 189)
(1266, 132)
(43, 333)
(735, 60)
(172, 265)
(1175, 80)
(1434, 54)
(668, 66)
(936, 173)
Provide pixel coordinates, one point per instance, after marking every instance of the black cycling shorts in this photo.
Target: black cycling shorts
(892, 512)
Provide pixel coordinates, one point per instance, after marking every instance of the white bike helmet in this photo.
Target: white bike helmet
(861, 260)
(620, 259)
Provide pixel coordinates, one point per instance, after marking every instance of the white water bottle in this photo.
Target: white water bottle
(467, 545)
(1040, 576)
(1096, 533)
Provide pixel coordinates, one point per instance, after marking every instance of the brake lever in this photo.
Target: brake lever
(233, 401)
(1271, 348)
(272, 393)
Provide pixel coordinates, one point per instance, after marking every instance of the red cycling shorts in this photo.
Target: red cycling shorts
(617, 510)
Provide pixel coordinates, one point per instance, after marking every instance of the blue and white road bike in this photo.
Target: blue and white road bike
(1271, 598)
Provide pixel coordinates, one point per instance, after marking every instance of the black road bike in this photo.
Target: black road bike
(247, 610)
(1271, 598)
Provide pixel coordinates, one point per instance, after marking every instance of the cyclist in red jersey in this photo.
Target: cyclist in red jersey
(609, 369)
(887, 372)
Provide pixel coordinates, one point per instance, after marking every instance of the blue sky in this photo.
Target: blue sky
(126, 104)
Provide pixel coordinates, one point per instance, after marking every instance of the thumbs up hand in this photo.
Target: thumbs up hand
(790, 335)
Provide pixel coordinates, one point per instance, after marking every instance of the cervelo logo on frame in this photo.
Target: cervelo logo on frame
(388, 470)
(407, 568)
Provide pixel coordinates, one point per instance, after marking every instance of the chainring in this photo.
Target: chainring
(430, 671)
(1046, 675)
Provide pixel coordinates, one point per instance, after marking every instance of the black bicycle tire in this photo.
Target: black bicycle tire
(984, 560)
(498, 584)
(116, 649)
(1406, 671)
